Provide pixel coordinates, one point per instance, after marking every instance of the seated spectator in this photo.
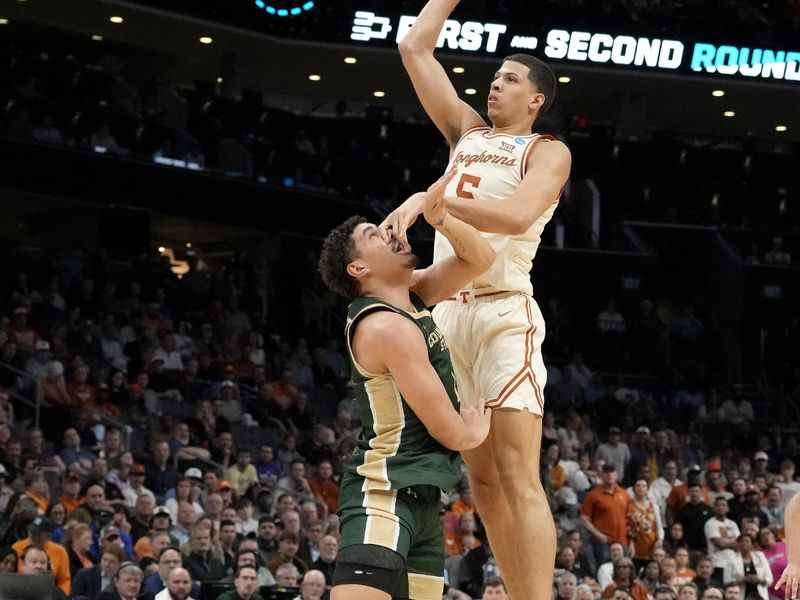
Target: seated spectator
(323, 486)
(326, 563)
(33, 561)
(186, 490)
(40, 532)
(267, 467)
(565, 559)
(312, 587)
(287, 576)
(169, 558)
(126, 585)
(249, 555)
(75, 458)
(288, 546)
(36, 489)
(179, 586)
(184, 446)
(320, 446)
(37, 448)
(161, 476)
(463, 539)
(245, 522)
(296, 482)
(160, 523)
(202, 566)
(706, 575)
(103, 139)
(775, 552)
(134, 486)
(77, 540)
(267, 537)
(650, 576)
(79, 390)
(243, 474)
(90, 581)
(71, 496)
(245, 585)
(683, 572)
(98, 475)
(687, 591)
(749, 569)
(623, 577)
(565, 586)
(181, 530)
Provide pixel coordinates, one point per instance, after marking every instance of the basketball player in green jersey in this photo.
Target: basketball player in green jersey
(407, 450)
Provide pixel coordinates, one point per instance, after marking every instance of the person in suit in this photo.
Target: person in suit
(126, 585)
(89, 582)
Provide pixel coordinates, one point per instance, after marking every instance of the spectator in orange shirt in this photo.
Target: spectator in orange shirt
(464, 503)
(81, 392)
(71, 497)
(39, 533)
(604, 514)
(324, 488)
(37, 490)
(19, 332)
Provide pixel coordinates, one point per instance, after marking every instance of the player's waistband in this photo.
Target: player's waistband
(481, 295)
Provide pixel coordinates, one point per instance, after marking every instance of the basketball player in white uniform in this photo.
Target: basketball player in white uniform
(508, 185)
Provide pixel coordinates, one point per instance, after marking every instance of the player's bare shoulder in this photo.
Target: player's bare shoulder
(550, 154)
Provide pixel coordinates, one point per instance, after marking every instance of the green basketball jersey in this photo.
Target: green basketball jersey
(394, 449)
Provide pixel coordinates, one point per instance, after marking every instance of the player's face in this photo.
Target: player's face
(379, 255)
(511, 95)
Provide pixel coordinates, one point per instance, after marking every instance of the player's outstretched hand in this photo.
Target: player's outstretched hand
(396, 224)
(477, 421)
(435, 202)
(790, 577)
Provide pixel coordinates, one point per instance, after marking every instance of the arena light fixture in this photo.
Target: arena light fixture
(206, 40)
(188, 244)
(718, 93)
(314, 77)
(97, 38)
(379, 93)
(219, 79)
(350, 60)
(458, 70)
(116, 20)
(3, 21)
(470, 91)
(781, 128)
(729, 114)
(564, 79)
(161, 249)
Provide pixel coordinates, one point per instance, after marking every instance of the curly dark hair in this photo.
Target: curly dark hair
(338, 249)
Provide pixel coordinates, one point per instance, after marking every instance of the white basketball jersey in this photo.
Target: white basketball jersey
(492, 165)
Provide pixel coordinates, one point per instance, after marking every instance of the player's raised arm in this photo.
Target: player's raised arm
(388, 342)
(473, 254)
(450, 114)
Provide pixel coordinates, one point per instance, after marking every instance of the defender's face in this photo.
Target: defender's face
(378, 255)
(511, 94)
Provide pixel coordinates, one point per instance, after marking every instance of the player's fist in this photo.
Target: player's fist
(477, 420)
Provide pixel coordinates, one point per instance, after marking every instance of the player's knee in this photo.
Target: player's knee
(369, 565)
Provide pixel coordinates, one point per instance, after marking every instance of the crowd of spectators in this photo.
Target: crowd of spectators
(175, 430)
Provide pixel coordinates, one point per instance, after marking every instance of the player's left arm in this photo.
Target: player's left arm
(548, 169)
(473, 254)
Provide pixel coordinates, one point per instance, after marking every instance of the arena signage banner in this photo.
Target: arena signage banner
(474, 37)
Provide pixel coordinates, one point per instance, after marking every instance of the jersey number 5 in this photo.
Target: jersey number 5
(465, 180)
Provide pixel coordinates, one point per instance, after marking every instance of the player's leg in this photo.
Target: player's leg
(425, 559)
(374, 542)
(506, 485)
(529, 526)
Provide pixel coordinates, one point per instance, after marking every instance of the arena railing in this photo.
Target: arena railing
(31, 382)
